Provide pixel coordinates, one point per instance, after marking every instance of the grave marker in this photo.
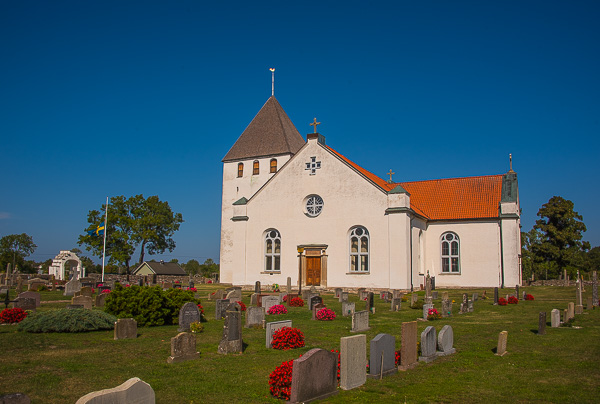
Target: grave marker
(188, 314)
(100, 299)
(315, 300)
(446, 308)
(396, 304)
(502, 341)
(272, 327)
(343, 297)
(408, 345)
(445, 341)
(542, 323)
(221, 308)
(255, 316)
(382, 356)
(338, 292)
(133, 390)
(353, 361)
(257, 287)
(360, 321)
(496, 296)
(125, 328)
(183, 348)
(428, 345)
(269, 301)
(314, 376)
(25, 303)
(555, 318)
(74, 285)
(85, 301)
(348, 308)
(426, 308)
(570, 311)
(31, 295)
(289, 285)
(231, 342)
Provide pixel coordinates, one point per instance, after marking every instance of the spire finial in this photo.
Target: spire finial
(510, 159)
(272, 69)
(390, 174)
(315, 123)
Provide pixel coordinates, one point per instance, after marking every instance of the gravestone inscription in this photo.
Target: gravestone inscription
(188, 314)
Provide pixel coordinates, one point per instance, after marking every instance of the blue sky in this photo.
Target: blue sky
(106, 98)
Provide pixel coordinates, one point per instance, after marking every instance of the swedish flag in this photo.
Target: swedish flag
(98, 231)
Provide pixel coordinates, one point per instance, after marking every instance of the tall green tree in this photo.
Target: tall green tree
(14, 248)
(132, 222)
(560, 243)
(209, 267)
(192, 267)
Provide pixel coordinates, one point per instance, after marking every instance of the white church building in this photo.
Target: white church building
(300, 209)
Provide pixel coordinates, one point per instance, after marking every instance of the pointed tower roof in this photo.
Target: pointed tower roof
(270, 133)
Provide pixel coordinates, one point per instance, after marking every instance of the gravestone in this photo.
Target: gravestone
(235, 294)
(305, 294)
(253, 299)
(74, 285)
(133, 390)
(578, 294)
(496, 296)
(408, 345)
(385, 295)
(25, 303)
(125, 328)
(595, 288)
(428, 300)
(414, 298)
(86, 291)
(353, 361)
(34, 284)
(15, 398)
(428, 345)
(288, 286)
(272, 327)
(315, 300)
(590, 304)
(369, 304)
(316, 309)
(470, 306)
(361, 293)
(428, 285)
(314, 376)
(555, 318)
(100, 299)
(218, 294)
(524, 295)
(396, 304)
(517, 291)
(360, 321)
(85, 301)
(445, 296)
(542, 323)
(183, 348)
(566, 277)
(426, 308)
(269, 301)
(434, 295)
(31, 295)
(382, 361)
(445, 341)
(446, 308)
(502, 341)
(231, 342)
(579, 309)
(570, 311)
(221, 308)
(257, 287)
(565, 316)
(188, 314)
(348, 308)
(475, 296)
(255, 316)
(396, 294)
(233, 306)
(338, 292)
(464, 306)
(343, 297)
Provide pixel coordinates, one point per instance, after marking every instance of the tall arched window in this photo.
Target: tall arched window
(450, 253)
(359, 250)
(273, 168)
(272, 250)
(255, 169)
(240, 170)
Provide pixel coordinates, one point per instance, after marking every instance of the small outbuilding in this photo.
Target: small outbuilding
(159, 268)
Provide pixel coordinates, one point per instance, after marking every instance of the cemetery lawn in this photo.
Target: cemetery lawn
(561, 366)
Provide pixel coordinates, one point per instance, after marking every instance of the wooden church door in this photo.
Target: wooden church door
(313, 271)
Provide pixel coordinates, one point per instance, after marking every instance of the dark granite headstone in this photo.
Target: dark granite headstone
(188, 314)
(382, 353)
(231, 342)
(542, 323)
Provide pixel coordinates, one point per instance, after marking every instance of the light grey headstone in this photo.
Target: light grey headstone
(426, 308)
(502, 342)
(255, 316)
(382, 352)
(272, 327)
(445, 296)
(314, 376)
(231, 342)
(183, 348)
(353, 361)
(31, 295)
(188, 314)
(269, 301)
(396, 294)
(343, 297)
(579, 309)
(348, 308)
(396, 304)
(74, 285)
(253, 299)
(338, 291)
(125, 328)
(555, 318)
(133, 390)
(86, 301)
(414, 298)
(446, 308)
(360, 321)
(428, 345)
(234, 295)
(475, 296)
(445, 342)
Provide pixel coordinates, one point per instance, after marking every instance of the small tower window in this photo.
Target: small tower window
(255, 169)
(273, 166)
(240, 170)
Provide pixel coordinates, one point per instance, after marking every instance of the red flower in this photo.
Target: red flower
(297, 302)
(277, 309)
(201, 309)
(288, 338)
(242, 305)
(528, 297)
(280, 380)
(512, 300)
(325, 314)
(11, 316)
(502, 301)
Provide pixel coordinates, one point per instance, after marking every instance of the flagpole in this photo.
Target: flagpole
(105, 230)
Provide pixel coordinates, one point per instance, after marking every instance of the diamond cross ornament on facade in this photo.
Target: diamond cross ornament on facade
(313, 166)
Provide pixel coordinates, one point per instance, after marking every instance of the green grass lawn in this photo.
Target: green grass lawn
(561, 366)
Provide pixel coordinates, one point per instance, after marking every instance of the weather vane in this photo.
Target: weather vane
(272, 69)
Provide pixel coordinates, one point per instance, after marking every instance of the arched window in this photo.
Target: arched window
(273, 166)
(240, 170)
(255, 169)
(272, 250)
(359, 250)
(450, 253)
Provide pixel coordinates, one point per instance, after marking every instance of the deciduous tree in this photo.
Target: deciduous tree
(14, 248)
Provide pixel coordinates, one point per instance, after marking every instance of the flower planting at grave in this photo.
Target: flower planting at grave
(192, 289)
(277, 309)
(275, 287)
(528, 297)
(285, 298)
(433, 314)
(325, 314)
(280, 380)
(105, 291)
(288, 338)
(196, 327)
(512, 300)
(502, 302)
(297, 302)
(12, 316)
(201, 309)
(242, 306)
(339, 366)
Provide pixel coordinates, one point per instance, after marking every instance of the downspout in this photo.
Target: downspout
(411, 254)
(501, 256)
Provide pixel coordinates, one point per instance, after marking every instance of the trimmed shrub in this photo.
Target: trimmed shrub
(68, 320)
(148, 305)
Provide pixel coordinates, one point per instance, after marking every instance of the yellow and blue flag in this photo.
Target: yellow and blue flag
(98, 231)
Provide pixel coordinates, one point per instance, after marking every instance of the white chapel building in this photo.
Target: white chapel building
(298, 208)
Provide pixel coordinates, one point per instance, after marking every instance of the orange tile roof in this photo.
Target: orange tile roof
(446, 199)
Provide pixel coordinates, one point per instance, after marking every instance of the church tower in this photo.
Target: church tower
(268, 142)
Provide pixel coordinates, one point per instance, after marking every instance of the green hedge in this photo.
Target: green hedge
(148, 305)
(68, 320)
